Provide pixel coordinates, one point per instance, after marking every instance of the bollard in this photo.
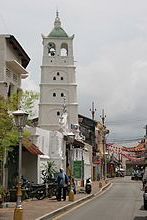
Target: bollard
(100, 184)
(106, 181)
(71, 195)
(18, 214)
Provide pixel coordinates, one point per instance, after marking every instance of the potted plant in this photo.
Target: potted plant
(48, 177)
(49, 171)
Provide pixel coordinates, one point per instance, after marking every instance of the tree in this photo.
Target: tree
(8, 131)
(26, 100)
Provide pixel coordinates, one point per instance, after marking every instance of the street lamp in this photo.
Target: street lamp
(106, 157)
(70, 140)
(82, 168)
(20, 118)
(105, 132)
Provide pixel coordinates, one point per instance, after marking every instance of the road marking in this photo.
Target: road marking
(83, 203)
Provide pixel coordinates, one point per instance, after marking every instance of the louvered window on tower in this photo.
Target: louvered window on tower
(54, 94)
(64, 50)
(62, 94)
(58, 113)
(54, 78)
(51, 49)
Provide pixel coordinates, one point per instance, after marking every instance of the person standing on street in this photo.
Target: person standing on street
(62, 181)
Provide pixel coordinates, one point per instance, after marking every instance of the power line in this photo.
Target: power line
(127, 120)
(125, 140)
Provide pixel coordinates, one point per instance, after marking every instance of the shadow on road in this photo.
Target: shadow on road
(140, 218)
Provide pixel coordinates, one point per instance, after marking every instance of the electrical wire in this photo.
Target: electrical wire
(126, 120)
(113, 140)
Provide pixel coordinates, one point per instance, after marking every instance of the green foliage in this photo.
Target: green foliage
(28, 100)
(2, 191)
(8, 131)
(24, 100)
(49, 171)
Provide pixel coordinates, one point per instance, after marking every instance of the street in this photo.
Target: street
(121, 202)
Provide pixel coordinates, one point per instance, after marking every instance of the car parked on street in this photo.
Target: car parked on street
(145, 197)
(136, 175)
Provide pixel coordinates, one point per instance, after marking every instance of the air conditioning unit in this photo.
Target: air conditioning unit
(74, 126)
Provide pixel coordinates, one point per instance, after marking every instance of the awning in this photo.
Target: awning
(17, 68)
(78, 144)
(32, 148)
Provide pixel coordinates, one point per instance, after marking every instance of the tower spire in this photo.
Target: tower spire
(57, 13)
(57, 22)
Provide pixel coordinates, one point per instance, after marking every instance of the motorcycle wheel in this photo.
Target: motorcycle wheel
(88, 192)
(40, 195)
(50, 193)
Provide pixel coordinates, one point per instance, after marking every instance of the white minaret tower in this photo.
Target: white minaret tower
(58, 80)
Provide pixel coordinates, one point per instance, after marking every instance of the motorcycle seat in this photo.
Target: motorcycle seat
(38, 185)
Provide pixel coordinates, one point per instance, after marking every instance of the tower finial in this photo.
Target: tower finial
(57, 13)
(57, 22)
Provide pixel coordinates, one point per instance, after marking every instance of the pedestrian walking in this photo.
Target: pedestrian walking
(62, 181)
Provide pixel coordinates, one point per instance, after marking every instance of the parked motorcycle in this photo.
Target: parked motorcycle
(37, 191)
(40, 191)
(52, 189)
(145, 197)
(88, 186)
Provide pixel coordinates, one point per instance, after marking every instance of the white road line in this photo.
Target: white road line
(83, 203)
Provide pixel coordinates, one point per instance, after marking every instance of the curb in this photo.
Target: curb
(103, 188)
(69, 206)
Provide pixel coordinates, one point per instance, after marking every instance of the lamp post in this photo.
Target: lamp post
(145, 146)
(106, 158)
(70, 140)
(20, 118)
(105, 153)
(82, 168)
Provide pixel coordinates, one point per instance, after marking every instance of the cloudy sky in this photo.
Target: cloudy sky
(110, 50)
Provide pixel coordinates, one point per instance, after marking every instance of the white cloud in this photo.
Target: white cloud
(110, 48)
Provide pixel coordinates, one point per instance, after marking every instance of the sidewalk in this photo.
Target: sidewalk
(33, 209)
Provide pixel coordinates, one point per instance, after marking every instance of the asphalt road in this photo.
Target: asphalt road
(122, 202)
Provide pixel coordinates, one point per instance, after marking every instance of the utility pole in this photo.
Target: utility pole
(145, 143)
(119, 157)
(146, 131)
(103, 116)
(93, 110)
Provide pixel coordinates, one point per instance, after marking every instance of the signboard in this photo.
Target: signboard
(77, 169)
